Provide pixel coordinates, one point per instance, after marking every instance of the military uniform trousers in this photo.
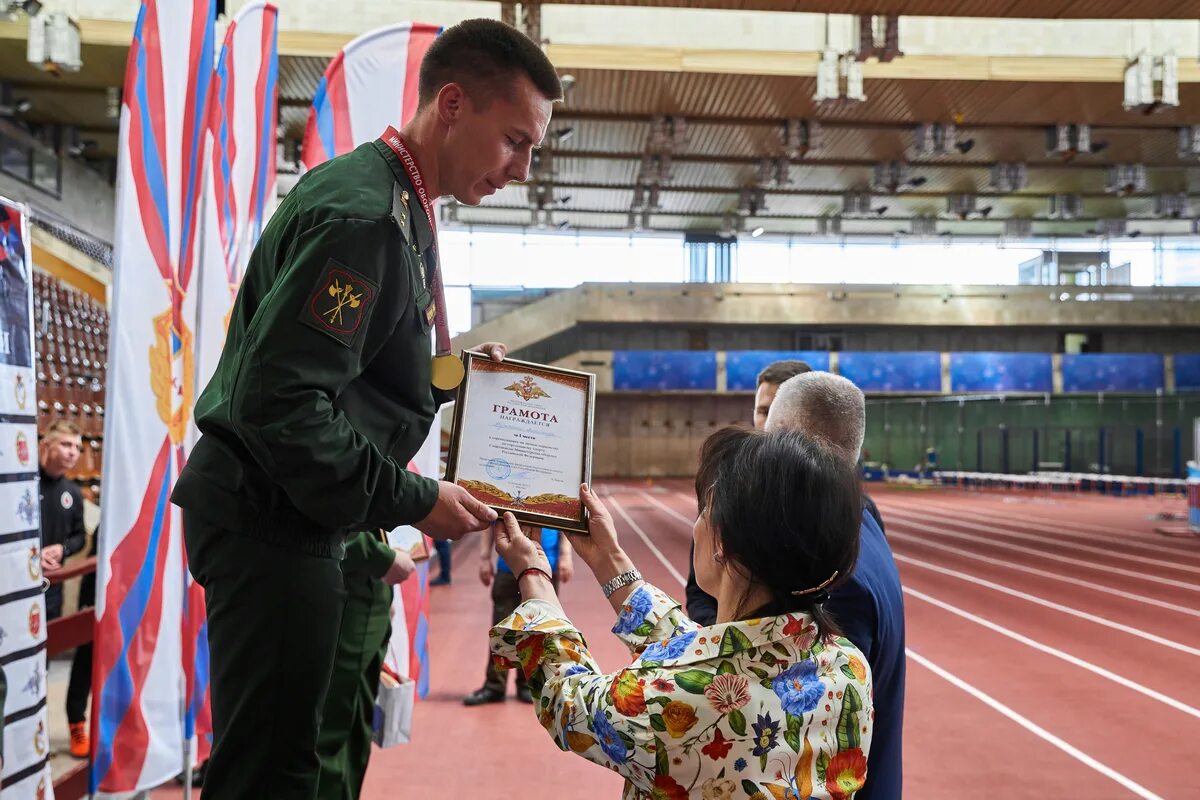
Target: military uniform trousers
(344, 743)
(273, 620)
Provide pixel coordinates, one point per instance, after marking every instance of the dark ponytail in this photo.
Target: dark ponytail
(786, 512)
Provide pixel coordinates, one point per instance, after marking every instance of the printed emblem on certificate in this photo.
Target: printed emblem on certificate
(522, 439)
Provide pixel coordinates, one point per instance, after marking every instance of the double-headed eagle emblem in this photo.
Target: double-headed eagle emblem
(527, 389)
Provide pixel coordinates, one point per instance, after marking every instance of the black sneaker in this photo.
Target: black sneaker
(482, 696)
(523, 694)
(440, 580)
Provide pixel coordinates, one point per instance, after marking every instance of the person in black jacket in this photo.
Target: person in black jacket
(63, 534)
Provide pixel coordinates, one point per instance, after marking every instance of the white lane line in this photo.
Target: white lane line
(1074, 612)
(1121, 533)
(1031, 726)
(1060, 654)
(1054, 576)
(1059, 528)
(991, 527)
(1079, 562)
(669, 510)
(612, 501)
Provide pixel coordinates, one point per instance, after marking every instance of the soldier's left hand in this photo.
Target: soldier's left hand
(400, 570)
(494, 350)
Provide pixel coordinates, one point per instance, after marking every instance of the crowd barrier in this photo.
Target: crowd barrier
(1064, 481)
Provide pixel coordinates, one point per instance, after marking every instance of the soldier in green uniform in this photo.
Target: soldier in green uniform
(369, 571)
(324, 392)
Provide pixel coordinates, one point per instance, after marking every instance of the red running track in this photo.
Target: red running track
(1054, 651)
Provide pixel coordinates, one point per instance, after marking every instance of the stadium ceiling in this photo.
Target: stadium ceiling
(662, 140)
(1022, 9)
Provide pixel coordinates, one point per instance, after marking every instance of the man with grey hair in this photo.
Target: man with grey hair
(870, 606)
(826, 407)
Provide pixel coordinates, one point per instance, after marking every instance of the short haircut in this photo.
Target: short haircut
(485, 56)
(778, 372)
(61, 427)
(826, 407)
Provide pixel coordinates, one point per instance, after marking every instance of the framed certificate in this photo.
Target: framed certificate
(522, 439)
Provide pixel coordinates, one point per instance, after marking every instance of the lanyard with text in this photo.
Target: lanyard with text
(447, 370)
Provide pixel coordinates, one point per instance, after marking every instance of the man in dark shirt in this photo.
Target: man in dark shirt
(869, 607)
(63, 534)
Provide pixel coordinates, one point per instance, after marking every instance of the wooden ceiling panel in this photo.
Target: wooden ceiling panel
(1031, 9)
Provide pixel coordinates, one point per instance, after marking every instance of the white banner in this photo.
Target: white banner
(18, 389)
(19, 507)
(138, 731)
(18, 448)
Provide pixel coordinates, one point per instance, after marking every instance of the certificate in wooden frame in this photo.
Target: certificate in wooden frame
(496, 480)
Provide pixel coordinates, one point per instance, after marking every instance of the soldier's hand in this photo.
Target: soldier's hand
(401, 569)
(455, 514)
(496, 351)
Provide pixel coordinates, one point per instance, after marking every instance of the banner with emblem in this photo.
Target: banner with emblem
(137, 727)
(26, 773)
(239, 194)
(370, 85)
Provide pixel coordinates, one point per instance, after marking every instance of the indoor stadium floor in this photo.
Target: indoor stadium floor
(1053, 648)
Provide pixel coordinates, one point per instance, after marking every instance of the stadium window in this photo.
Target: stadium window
(15, 159)
(32, 162)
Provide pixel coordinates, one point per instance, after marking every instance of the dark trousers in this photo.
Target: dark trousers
(347, 724)
(80, 683)
(506, 596)
(273, 620)
(442, 546)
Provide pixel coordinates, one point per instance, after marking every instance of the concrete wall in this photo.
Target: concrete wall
(658, 435)
(600, 337)
(661, 311)
(87, 199)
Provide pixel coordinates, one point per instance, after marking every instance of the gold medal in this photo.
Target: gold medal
(448, 371)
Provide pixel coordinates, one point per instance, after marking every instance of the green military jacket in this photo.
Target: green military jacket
(322, 393)
(368, 554)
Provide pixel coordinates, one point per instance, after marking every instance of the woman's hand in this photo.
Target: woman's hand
(517, 549)
(601, 542)
(600, 550)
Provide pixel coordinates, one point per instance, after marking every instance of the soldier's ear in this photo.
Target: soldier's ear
(451, 101)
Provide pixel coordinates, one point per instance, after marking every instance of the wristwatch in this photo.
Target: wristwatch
(624, 579)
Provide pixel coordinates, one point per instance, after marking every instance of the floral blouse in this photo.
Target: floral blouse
(754, 709)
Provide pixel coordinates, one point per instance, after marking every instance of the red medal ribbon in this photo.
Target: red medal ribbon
(391, 137)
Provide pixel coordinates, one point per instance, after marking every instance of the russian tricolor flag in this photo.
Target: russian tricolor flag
(368, 86)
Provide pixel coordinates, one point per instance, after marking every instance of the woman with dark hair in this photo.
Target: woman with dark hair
(770, 702)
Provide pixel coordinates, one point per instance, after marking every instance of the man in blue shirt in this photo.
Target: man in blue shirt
(870, 606)
(506, 596)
